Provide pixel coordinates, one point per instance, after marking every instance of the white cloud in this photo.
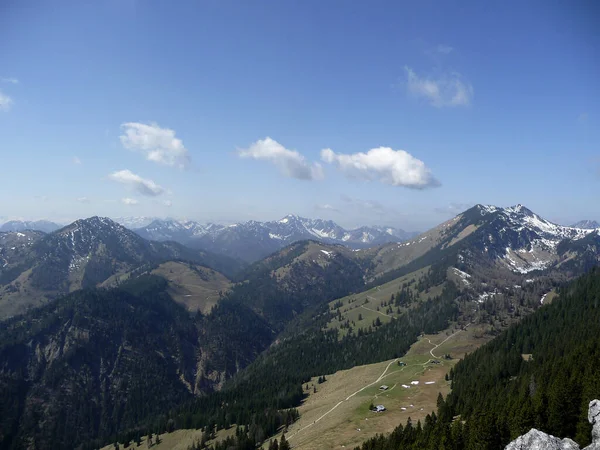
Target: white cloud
(76, 161)
(129, 201)
(9, 80)
(365, 205)
(167, 203)
(5, 102)
(445, 49)
(395, 167)
(327, 207)
(290, 162)
(143, 186)
(447, 90)
(453, 208)
(83, 200)
(157, 144)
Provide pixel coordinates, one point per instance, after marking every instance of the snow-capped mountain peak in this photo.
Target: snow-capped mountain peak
(518, 236)
(134, 222)
(289, 218)
(253, 240)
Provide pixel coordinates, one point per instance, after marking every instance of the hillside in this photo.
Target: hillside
(108, 362)
(500, 394)
(459, 279)
(301, 276)
(99, 362)
(307, 310)
(336, 412)
(196, 287)
(512, 239)
(83, 254)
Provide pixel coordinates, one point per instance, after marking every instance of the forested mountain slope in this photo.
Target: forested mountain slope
(303, 275)
(97, 363)
(499, 394)
(281, 321)
(82, 255)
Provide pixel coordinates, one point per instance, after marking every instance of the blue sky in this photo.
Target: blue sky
(399, 113)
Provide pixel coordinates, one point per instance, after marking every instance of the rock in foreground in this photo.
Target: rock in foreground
(538, 440)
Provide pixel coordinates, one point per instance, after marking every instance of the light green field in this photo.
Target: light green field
(195, 287)
(550, 296)
(338, 414)
(177, 440)
(369, 305)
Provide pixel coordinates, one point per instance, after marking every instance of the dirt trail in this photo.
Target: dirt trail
(436, 346)
(346, 399)
(383, 375)
(378, 312)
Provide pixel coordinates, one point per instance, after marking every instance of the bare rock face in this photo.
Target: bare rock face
(538, 440)
(594, 418)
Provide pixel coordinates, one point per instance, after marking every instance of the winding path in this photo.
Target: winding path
(436, 346)
(378, 312)
(381, 377)
(346, 399)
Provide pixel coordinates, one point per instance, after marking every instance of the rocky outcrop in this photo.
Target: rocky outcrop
(538, 440)
(594, 418)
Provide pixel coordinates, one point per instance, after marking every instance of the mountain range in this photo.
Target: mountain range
(36, 225)
(267, 326)
(252, 240)
(89, 252)
(38, 266)
(587, 224)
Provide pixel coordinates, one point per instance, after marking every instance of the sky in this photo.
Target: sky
(367, 113)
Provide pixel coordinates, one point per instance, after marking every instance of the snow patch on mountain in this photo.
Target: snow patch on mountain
(290, 228)
(527, 241)
(464, 276)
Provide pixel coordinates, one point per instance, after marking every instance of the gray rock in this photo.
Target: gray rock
(538, 440)
(594, 418)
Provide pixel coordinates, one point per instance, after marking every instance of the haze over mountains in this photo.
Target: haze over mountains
(254, 240)
(90, 251)
(36, 225)
(588, 224)
(37, 266)
(257, 330)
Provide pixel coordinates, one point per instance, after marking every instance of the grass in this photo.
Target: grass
(332, 417)
(23, 297)
(353, 306)
(550, 296)
(195, 287)
(178, 440)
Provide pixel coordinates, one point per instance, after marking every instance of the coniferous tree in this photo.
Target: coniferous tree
(283, 444)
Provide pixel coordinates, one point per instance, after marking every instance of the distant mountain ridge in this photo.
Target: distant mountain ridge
(36, 225)
(586, 224)
(134, 221)
(254, 240)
